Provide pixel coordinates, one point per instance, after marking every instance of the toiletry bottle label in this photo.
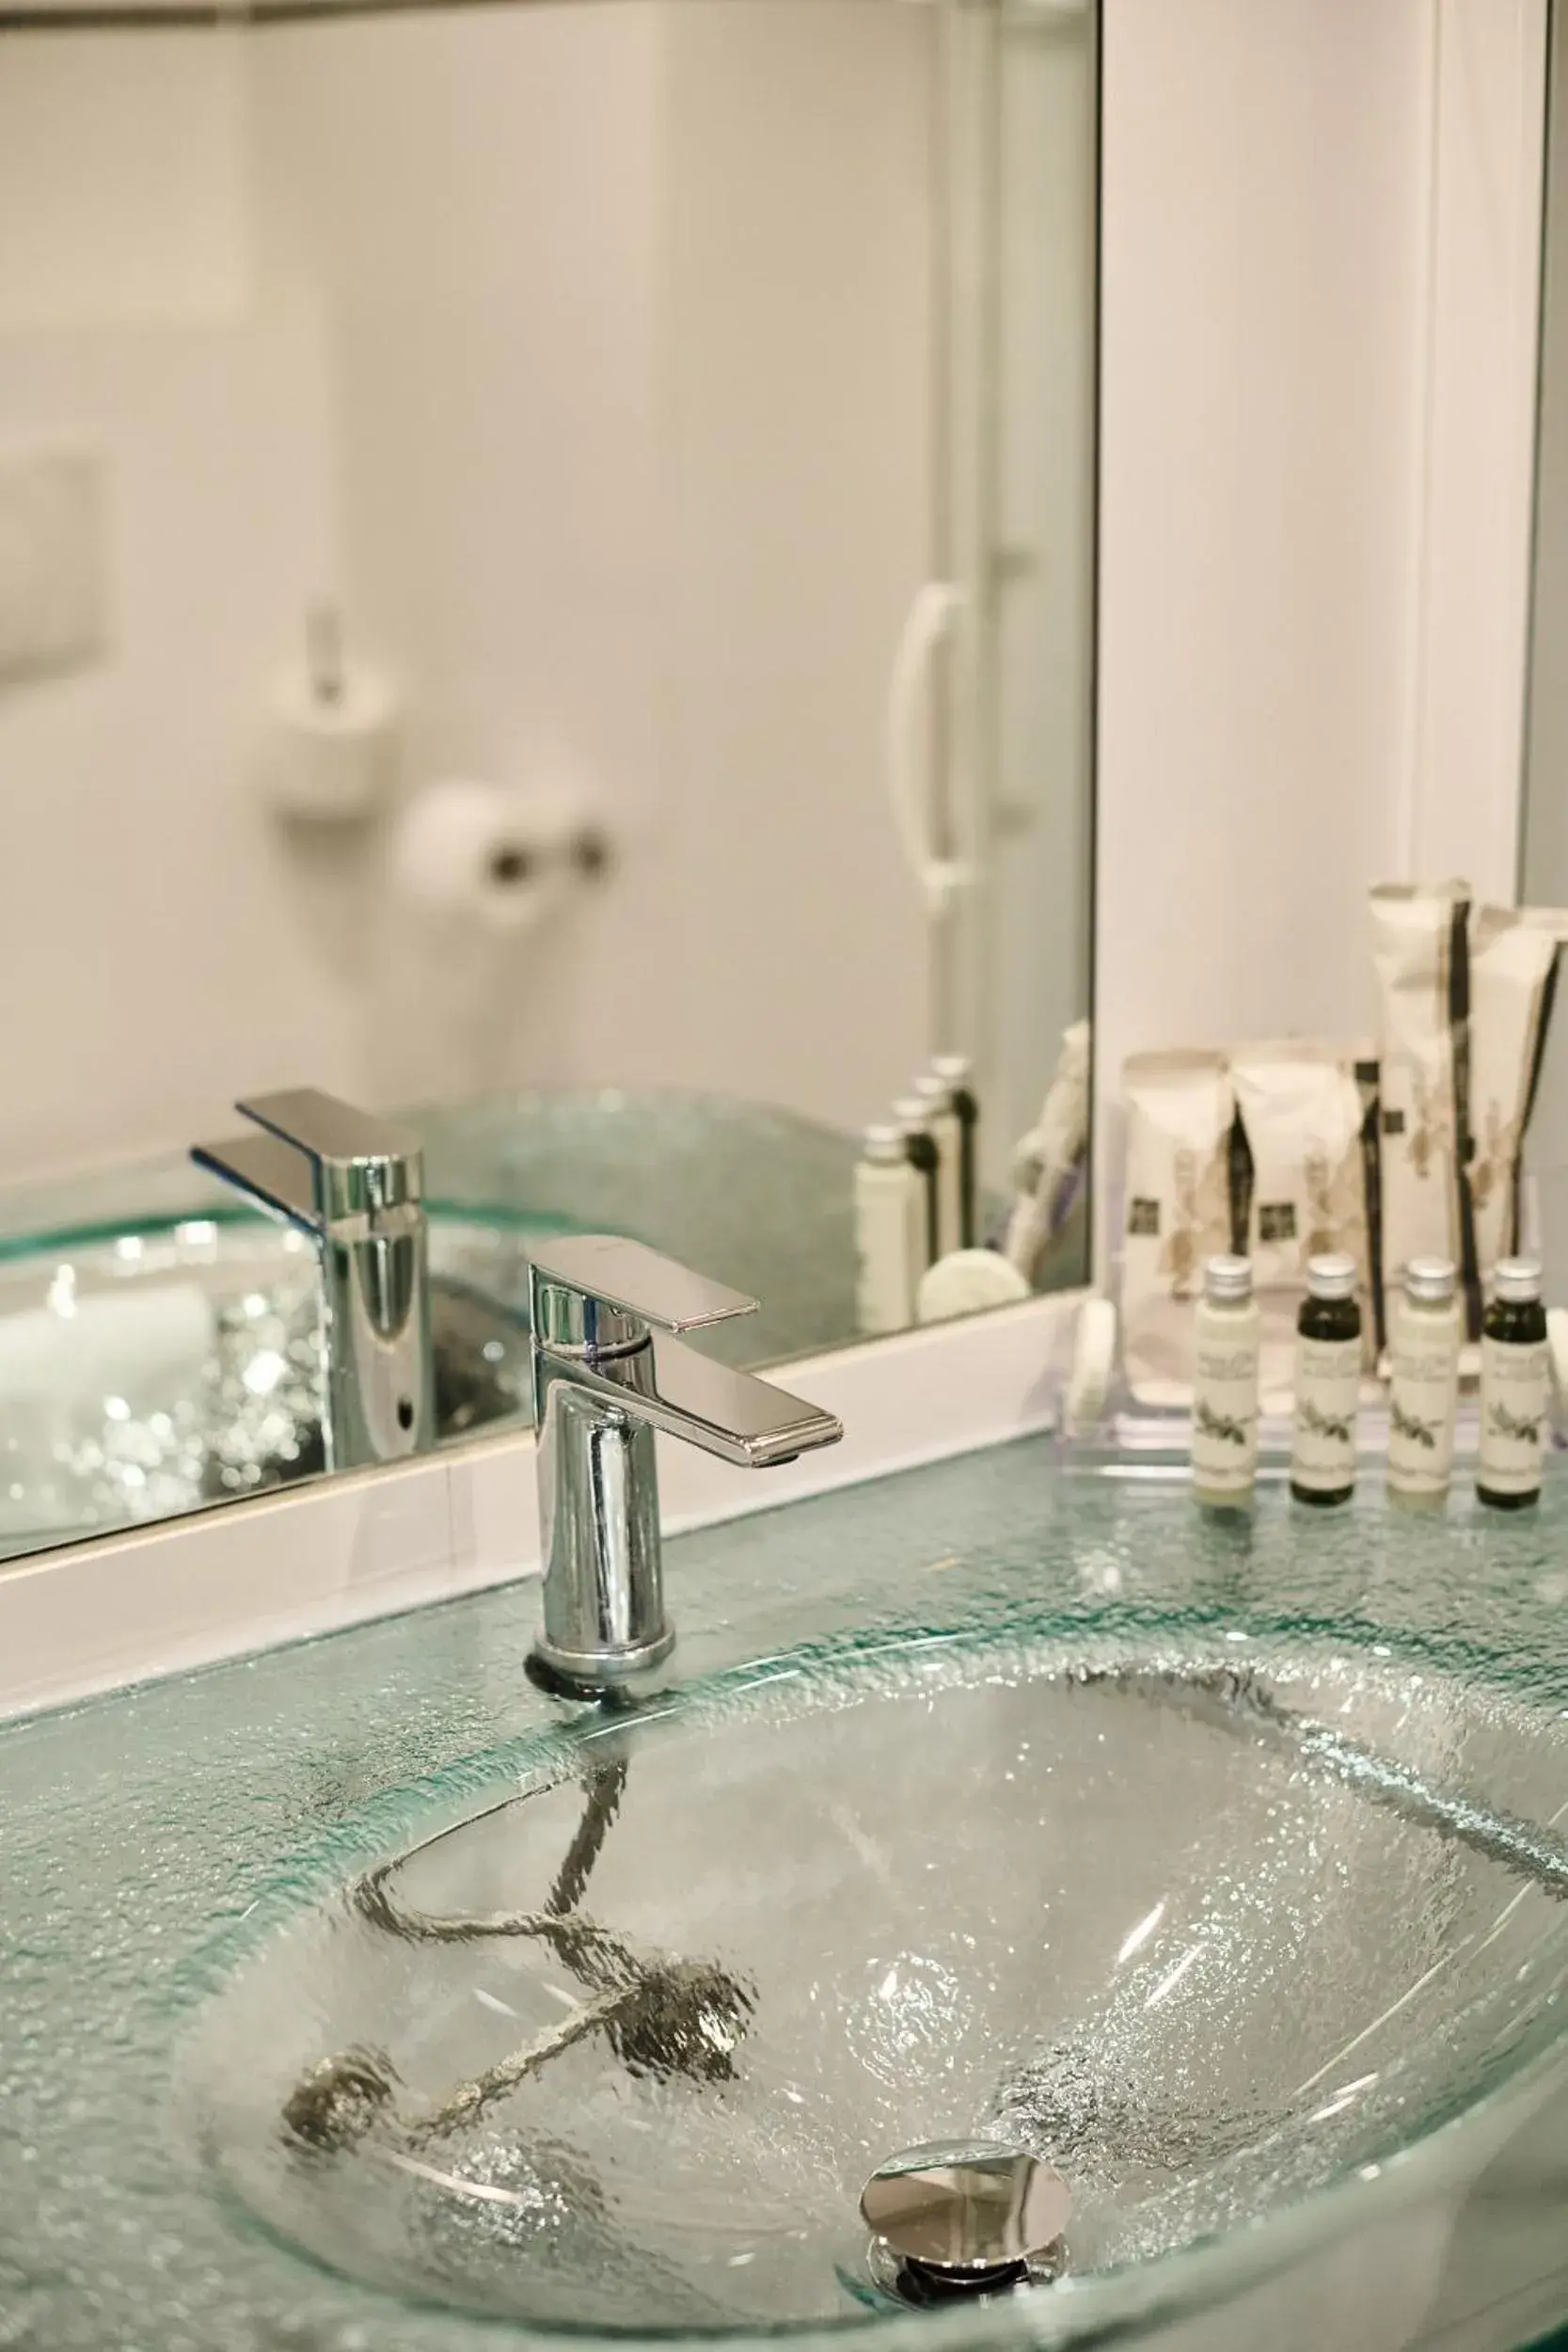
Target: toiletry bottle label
(1421, 1409)
(1514, 1377)
(1225, 1414)
(1328, 1391)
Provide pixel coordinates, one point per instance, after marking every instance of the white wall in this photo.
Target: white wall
(462, 205)
(796, 523)
(1488, 137)
(1546, 842)
(1543, 877)
(146, 925)
(584, 353)
(121, 179)
(1314, 536)
(1260, 471)
(627, 321)
(1035, 911)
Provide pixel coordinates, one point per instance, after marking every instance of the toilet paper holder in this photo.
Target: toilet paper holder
(588, 852)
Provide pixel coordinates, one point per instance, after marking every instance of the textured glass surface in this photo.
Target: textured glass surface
(1221, 1862)
(754, 1196)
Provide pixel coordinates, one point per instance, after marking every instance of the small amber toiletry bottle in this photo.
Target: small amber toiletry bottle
(1328, 1383)
(1514, 1375)
(957, 1073)
(1423, 1353)
(915, 1124)
(941, 1120)
(1224, 1386)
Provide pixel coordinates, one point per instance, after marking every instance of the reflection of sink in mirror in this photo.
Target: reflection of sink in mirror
(160, 1349)
(363, 1993)
(153, 1368)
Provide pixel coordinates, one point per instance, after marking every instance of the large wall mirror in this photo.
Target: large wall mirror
(547, 559)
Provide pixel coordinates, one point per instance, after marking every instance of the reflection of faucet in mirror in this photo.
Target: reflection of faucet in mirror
(356, 1185)
(603, 1385)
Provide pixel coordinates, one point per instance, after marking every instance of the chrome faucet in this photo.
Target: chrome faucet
(603, 1385)
(355, 1185)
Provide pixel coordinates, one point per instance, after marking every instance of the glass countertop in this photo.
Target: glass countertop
(158, 1845)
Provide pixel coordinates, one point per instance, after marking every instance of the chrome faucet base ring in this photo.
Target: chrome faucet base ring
(588, 1673)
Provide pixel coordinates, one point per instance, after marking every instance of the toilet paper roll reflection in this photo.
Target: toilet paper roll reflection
(503, 858)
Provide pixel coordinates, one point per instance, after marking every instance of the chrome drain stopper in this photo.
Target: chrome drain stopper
(965, 2217)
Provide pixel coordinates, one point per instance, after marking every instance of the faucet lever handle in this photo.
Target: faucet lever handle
(265, 1169)
(605, 1271)
(321, 1162)
(329, 1131)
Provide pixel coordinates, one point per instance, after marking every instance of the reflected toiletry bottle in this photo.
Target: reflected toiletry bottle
(941, 1121)
(913, 1117)
(1515, 1371)
(1424, 1388)
(957, 1073)
(1373, 1336)
(1328, 1383)
(890, 1231)
(1224, 1386)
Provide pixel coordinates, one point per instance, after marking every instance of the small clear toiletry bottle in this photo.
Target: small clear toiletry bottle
(1224, 1386)
(941, 1121)
(957, 1073)
(1516, 1373)
(915, 1124)
(1423, 1355)
(890, 1231)
(1328, 1383)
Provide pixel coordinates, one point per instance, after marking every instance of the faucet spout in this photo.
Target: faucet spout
(604, 1386)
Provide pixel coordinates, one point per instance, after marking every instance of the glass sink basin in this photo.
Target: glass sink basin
(1201, 1932)
(361, 1995)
